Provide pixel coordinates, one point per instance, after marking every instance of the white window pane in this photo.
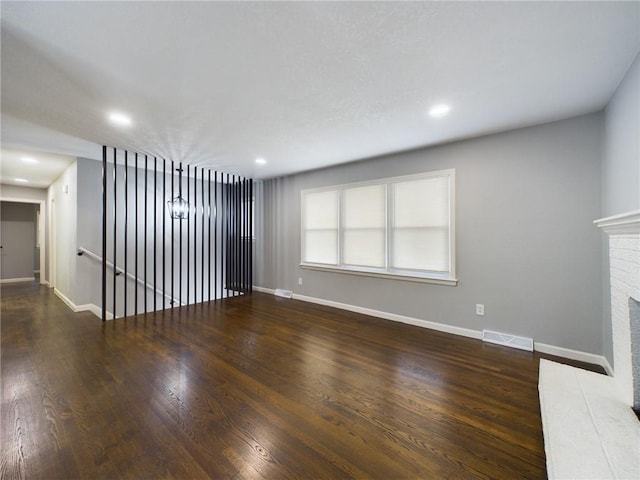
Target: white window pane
(364, 247)
(321, 210)
(363, 226)
(321, 246)
(421, 249)
(421, 203)
(364, 207)
(321, 227)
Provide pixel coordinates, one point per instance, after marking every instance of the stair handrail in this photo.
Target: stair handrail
(84, 251)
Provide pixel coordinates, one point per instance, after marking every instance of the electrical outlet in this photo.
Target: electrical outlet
(299, 280)
(479, 309)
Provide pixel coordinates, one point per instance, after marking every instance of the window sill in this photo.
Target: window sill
(437, 280)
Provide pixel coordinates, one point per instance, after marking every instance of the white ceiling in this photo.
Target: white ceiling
(28, 168)
(303, 85)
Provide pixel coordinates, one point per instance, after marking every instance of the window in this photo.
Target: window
(363, 226)
(321, 227)
(395, 227)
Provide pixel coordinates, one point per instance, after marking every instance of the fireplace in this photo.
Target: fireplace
(624, 260)
(589, 429)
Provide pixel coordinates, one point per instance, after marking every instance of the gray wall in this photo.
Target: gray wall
(526, 245)
(89, 230)
(621, 171)
(18, 239)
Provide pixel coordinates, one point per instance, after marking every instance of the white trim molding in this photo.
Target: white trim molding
(93, 308)
(578, 355)
(441, 327)
(18, 280)
(625, 223)
(89, 307)
(389, 276)
(607, 366)
(263, 289)
(65, 299)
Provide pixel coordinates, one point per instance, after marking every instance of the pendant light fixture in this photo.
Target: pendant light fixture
(178, 207)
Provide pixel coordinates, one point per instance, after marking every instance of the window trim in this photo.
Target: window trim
(423, 276)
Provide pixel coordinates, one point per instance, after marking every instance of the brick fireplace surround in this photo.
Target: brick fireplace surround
(590, 430)
(624, 261)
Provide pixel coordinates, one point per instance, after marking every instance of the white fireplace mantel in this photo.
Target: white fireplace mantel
(625, 223)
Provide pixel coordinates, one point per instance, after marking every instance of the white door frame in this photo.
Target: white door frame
(41, 231)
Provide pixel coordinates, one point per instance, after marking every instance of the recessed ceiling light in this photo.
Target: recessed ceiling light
(439, 110)
(261, 161)
(119, 119)
(21, 180)
(29, 160)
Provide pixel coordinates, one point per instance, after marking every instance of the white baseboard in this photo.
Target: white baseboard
(18, 280)
(64, 298)
(575, 355)
(44, 282)
(93, 308)
(607, 367)
(441, 327)
(88, 307)
(264, 290)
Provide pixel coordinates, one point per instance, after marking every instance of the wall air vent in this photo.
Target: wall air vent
(283, 293)
(523, 343)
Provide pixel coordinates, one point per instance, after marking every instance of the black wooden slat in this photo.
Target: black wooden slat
(155, 233)
(115, 239)
(173, 234)
(135, 251)
(180, 240)
(202, 241)
(126, 215)
(146, 214)
(188, 234)
(104, 233)
(164, 232)
(195, 234)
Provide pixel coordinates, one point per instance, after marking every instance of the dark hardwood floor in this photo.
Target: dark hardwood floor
(257, 387)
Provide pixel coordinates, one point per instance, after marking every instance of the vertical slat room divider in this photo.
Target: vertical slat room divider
(203, 254)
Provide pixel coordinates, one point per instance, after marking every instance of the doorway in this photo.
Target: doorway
(22, 240)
